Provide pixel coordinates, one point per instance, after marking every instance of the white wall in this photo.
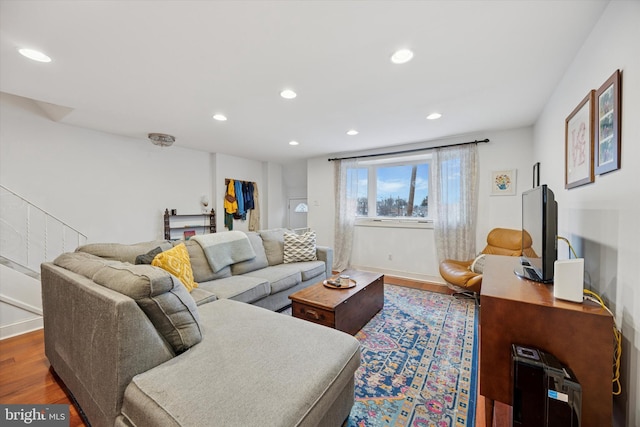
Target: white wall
(276, 204)
(601, 219)
(112, 188)
(509, 149)
(321, 199)
(21, 305)
(294, 176)
(412, 250)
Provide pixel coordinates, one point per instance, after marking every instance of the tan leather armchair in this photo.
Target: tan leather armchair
(500, 241)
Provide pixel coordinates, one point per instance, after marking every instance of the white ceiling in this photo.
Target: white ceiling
(134, 67)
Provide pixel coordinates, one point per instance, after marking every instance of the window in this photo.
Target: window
(391, 188)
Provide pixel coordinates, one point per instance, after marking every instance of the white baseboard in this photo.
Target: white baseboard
(402, 274)
(19, 328)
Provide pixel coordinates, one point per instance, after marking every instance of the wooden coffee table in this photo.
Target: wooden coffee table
(348, 309)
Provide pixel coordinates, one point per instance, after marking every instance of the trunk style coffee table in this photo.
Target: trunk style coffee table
(344, 309)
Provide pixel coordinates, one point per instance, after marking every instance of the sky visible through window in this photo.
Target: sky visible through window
(393, 184)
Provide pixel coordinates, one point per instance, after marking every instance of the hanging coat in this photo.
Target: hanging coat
(247, 190)
(254, 218)
(230, 205)
(230, 201)
(239, 200)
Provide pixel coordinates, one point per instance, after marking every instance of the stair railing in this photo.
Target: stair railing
(29, 235)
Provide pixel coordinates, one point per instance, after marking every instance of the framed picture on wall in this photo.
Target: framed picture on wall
(503, 183)
(578, 144)
(607, 129)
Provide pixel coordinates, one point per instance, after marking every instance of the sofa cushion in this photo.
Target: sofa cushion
(202, 296)
(176, 261)
(273, 241)
(299, 247)
(82, 263)
(239, 288)
(202, 271)
(162, 297)
(123, 252)
(311, 269)
(261, 384)
(280, 277)
(260, 261)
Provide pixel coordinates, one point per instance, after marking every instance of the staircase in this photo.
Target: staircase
(29, 236)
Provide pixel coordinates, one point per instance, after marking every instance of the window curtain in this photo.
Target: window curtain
(455, 192)
(345, 217)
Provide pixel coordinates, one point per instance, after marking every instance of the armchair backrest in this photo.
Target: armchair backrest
(506, 241)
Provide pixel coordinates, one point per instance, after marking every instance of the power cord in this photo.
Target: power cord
(617, 353)
(617, 334)
(564, 239)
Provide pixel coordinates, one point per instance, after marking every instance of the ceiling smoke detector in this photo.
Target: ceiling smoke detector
(162, 139)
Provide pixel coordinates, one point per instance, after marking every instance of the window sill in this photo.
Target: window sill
(394, 223)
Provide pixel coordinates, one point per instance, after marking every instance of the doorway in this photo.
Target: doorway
(298, 213)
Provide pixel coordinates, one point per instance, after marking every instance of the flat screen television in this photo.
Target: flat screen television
(540, 227)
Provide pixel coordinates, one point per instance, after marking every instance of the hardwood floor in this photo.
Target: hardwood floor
(26, 376)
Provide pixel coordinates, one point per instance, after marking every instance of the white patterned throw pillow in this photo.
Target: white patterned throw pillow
(299, 247)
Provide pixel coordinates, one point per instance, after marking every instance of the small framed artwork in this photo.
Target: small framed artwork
(188, 234)
(607, 129)
(578, 144)
(503, 183)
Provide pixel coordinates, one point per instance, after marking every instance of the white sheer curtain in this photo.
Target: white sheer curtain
(346, 206)
(455, 192)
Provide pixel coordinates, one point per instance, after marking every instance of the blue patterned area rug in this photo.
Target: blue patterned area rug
(419, 362)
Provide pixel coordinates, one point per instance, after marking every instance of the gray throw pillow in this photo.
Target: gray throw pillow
(273, 241)
(149, 256)
(260, 260)
(202, 271)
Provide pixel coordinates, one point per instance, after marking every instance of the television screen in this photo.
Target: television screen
(540, 227)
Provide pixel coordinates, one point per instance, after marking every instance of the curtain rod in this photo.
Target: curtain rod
(409, 151)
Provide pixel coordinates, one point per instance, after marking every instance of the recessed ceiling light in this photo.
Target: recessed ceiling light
(401, 56)
(434, 116)
(220, 117)
(35, 55)
(352, 132)
(294, 143)
(288, 94)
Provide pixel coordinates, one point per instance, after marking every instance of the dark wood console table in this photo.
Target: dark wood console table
(515, 310)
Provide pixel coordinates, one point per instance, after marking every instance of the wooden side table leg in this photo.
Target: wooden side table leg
(488, 412)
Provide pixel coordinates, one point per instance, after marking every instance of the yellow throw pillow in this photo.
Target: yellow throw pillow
(176, 261)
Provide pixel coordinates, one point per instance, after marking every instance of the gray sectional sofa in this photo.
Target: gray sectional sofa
(136, 348)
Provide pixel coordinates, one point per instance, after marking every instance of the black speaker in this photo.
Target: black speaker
(545, 393)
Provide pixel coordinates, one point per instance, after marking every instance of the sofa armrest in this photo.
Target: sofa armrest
(96, 340)
(325, 253)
